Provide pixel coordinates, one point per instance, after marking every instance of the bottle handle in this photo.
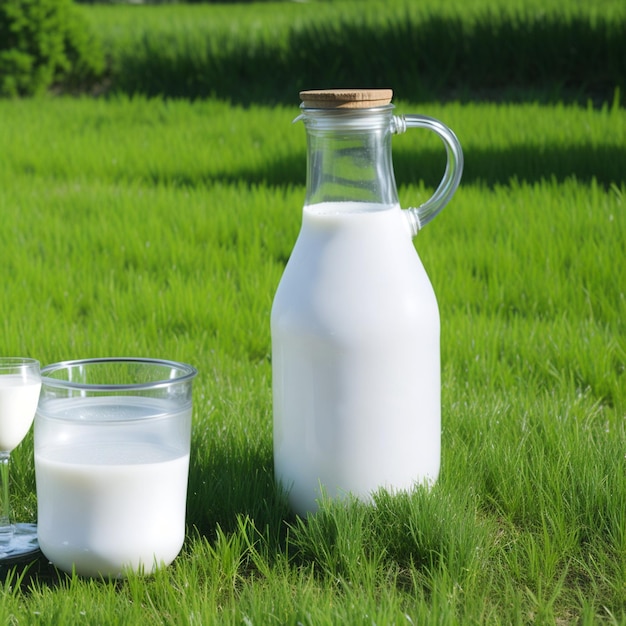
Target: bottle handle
(420, 216)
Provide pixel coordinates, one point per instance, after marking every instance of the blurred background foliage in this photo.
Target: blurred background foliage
(556, 50)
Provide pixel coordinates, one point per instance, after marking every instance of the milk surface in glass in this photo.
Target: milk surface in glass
(107, 506)
(18, 402)
(355, 332)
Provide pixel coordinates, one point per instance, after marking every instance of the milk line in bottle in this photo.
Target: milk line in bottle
(355, 321)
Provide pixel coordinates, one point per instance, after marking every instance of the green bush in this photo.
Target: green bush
(45, 43)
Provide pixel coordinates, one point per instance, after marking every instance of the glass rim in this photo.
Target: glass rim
(188, 373)
(13, 362)
(345, 119)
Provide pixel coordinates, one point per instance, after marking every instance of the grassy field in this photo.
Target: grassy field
(515, 49)
(151, 227)
(161, 228)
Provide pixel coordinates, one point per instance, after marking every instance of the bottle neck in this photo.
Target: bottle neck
(349, 156)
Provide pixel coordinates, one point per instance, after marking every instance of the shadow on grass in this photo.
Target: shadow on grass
(489, 167)
(228, 485)
(423, 57)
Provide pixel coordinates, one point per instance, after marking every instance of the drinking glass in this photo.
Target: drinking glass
(112, 439)
(20, 384)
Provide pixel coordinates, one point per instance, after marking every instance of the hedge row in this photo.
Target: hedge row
(267, 52)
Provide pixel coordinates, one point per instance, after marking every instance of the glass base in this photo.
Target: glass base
(22, 546)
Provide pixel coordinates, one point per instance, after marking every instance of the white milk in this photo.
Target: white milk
(355, 353)
(104, 508)
(18, 403)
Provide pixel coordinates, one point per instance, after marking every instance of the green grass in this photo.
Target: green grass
(152, 228)
(427, 50)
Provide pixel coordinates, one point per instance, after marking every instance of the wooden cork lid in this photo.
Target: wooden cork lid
(345, 98)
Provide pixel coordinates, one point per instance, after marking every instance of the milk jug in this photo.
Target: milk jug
(355, 321)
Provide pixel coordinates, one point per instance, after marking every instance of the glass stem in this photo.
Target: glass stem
(6, 528)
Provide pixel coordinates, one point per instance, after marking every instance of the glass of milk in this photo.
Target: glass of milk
(20, 383)
(112, 439)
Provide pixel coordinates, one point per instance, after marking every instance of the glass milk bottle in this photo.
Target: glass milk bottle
(355, 322)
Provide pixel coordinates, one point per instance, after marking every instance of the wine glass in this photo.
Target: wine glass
(20, 384)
